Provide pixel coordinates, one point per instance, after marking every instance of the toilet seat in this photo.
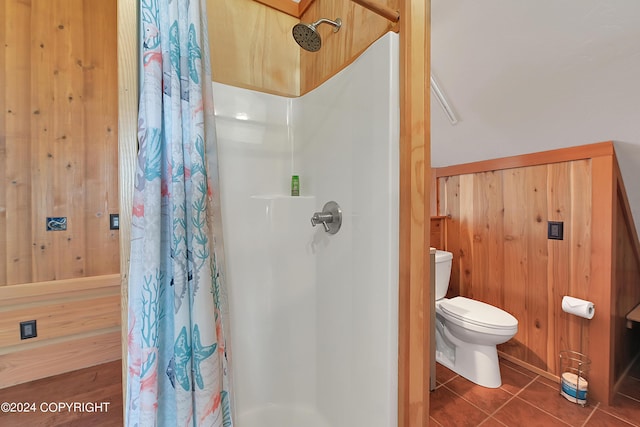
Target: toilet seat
(477, 315)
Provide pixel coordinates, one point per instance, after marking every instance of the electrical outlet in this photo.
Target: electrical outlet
(555, 230)
(28, 329)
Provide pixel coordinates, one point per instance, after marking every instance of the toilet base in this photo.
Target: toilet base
(475, 362)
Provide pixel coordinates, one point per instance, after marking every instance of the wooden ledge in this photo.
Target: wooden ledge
(580, 152)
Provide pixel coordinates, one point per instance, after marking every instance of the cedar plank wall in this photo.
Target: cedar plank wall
(497, 229)
(626, 293)
(282, 67)
(252, 47)
(58, 157)
(360, 28)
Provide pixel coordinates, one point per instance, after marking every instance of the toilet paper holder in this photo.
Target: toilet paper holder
(575, 365)
(574, 374)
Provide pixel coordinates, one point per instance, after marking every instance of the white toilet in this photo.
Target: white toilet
(467, 331)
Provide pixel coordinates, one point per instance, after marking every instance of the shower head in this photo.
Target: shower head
(308, 37)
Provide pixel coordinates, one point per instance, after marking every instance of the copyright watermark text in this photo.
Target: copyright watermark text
(22, 407)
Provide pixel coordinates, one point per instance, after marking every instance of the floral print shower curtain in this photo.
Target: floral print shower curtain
(178, 371)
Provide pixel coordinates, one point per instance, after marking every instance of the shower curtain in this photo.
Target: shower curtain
(178, 372)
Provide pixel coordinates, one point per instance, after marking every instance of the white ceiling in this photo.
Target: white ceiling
(527, 76)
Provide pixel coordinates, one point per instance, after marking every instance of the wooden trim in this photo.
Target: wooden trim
(62, 355)
(542, 158)
(60, 318)
(127, 148)
(628, 215)
(380, 9)
(602, 276)
(303, 6)
(286, 6)
(415, 160)
(435, 195)
(30, 292)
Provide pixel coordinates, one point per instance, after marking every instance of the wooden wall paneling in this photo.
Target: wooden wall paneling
(38, 292)
(69, 313)
(624, 298)
(59, 94)
(128, 87)
(3, 148)
(62, 355)
(579, 260)
(532, 159)
(49, 55)
(466, 249)
(360, 28)
(449, 188)
(61, 318)
(434, 204)
(536, 291)
(600, 348)
(18, 237)
(287, 6)
(100, 99)
(67, 139)
(626, 291)
(627, 286)
(626, 209)
(438, 232)
(559, 208)
(515, 259)
(252, 47)
(488, 238)
(415, 167)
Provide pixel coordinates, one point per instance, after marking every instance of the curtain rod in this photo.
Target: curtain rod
(382, 10)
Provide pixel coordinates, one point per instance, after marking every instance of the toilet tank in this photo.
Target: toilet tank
(443, 272)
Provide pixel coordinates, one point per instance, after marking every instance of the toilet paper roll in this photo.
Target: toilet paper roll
(578, 307)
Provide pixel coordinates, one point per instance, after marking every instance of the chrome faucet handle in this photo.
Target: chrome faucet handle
(330, 218)
(322, 218)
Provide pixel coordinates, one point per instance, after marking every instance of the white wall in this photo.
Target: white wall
(314, 316)
(531, 76)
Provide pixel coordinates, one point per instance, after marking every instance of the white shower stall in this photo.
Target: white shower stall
(313, 316)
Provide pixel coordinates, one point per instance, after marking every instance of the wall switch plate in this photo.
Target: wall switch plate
(28, 329)
(555, 230)
(114, 222)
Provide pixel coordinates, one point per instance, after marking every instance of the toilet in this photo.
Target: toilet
(467, 331)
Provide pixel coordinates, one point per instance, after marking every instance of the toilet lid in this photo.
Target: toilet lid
(478, 313)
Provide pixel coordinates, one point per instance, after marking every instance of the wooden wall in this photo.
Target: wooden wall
(58, 158)
(59, 140)
(497, 229)
(626, 289)
(252, 46)
(360, 28)
(78, 325)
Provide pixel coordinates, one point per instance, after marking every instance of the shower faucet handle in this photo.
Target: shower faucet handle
(330, 218)
(322, 218)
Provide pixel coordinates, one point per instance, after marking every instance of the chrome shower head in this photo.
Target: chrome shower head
(307, 36)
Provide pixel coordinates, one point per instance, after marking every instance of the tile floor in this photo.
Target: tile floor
(526, 399)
